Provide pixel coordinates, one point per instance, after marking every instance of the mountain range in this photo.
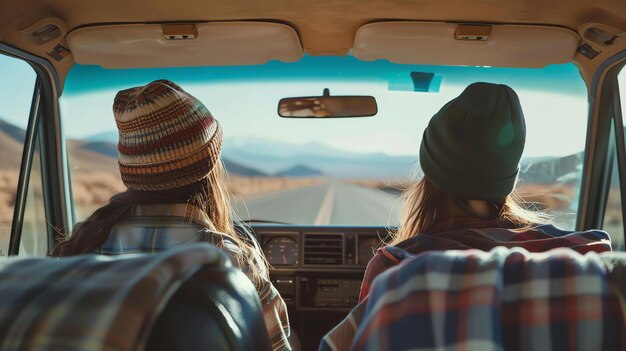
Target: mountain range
(99, 153)
(257, 157)
(106, 143)
(274, 157)
(263, 157)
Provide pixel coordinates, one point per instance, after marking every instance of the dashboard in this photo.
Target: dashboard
(318, 267)
(318, 271)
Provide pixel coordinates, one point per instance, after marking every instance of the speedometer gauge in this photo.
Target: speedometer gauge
(281, 251)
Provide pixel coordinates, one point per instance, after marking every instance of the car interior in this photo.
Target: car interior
(319, 194)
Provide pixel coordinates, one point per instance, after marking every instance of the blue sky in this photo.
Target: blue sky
(244, 100)
(16, 92)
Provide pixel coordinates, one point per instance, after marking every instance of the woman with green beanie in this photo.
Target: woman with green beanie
(469, 154)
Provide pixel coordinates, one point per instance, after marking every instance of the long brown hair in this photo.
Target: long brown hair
(209, 195)
(424, 205)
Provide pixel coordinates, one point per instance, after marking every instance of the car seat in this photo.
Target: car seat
(217, 316)
(186, 298)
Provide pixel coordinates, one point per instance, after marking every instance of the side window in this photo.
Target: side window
(34, 228)
(16, 95)
(613, 217)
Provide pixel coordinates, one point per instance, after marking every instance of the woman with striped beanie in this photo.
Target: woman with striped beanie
(169, 159)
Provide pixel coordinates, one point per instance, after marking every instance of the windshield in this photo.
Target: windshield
(331, 171)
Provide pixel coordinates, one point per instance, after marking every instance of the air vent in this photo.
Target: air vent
(323, 249)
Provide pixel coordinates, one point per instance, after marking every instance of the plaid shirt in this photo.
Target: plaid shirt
(154, 228)
(472, 233)
(90, 302)
(506, 299)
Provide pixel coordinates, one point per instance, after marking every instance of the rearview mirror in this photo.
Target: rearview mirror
(327, 106)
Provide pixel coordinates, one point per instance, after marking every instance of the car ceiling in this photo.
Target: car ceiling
(325, 27)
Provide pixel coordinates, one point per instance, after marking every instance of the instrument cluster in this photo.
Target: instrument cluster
(289, 249)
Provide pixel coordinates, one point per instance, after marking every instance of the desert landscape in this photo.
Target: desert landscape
(288, 188)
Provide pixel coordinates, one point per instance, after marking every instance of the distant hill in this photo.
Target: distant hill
(11, 144)
(238, 169)
(83, 155)
(14, 132)
(300, 171)
(90, 159)
(110, 136)
(547, 170)
(105, 148)
(274, 157)
(96, 153)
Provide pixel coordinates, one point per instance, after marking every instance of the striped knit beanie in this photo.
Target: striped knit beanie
(167, 138)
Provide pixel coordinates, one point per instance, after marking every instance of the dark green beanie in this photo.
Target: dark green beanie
(472, 147)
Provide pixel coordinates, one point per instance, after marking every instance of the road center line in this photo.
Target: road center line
(326, 210)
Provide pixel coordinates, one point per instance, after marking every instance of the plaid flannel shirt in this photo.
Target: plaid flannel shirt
(154, 228)
(472, 233)
(91, 302)
(506, 299)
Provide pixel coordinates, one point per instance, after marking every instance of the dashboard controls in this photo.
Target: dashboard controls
(337, 293)
(322, 292)
(285, 285)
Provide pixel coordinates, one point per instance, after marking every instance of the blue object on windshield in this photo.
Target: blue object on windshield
(422, 82)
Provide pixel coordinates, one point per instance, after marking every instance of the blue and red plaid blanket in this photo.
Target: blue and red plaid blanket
(505, 299)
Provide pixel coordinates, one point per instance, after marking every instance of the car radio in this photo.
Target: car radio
(324, 292)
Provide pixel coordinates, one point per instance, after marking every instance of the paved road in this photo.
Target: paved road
(325, 204)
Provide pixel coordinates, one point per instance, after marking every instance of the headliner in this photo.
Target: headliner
(325, 27)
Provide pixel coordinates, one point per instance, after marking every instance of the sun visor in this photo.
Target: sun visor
(172, 45)
(436, 43)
